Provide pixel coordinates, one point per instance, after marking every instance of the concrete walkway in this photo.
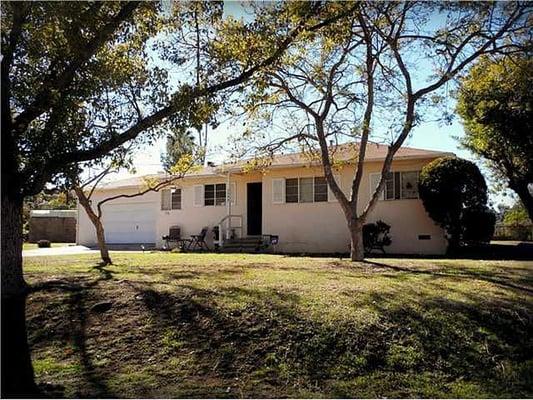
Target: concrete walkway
(58, 251)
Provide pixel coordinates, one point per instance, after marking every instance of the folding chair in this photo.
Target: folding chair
(198, 241)
(174, 235)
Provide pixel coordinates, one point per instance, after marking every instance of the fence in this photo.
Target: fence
(513, 232)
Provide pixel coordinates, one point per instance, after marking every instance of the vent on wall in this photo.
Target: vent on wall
(424, 237)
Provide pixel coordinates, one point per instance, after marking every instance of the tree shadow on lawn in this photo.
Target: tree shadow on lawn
(78, 334)
(194, 345)
(268, 342)
(481, 276)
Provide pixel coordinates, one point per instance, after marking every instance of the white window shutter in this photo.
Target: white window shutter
(165, 199)
(198, 195)
(278, 191)
(331, 196)
(233, 193)
(374, 182)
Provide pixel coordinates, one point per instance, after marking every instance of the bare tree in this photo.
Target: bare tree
(379, 66)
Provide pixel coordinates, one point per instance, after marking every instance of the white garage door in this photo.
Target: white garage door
(129, 222)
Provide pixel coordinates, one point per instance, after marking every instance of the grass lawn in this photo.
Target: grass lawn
(204, 325)
(31, 246)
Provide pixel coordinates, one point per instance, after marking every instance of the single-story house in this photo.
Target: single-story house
(288, 198)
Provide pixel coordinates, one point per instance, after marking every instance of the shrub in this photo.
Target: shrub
(376, 236)
(478, 226)
(454, 194)
(43, 243)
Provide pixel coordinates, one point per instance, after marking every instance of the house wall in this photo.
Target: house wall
(321, 227)
(302, 227)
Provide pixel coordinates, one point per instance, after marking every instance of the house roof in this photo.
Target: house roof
(348, 152)
(345, 153)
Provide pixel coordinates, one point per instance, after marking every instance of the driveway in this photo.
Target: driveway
(58, 251)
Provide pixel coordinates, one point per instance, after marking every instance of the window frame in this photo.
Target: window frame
(401, 185)
(299, 194)
(172, 192)
(397, 180)
(220, 201)
(217, 201)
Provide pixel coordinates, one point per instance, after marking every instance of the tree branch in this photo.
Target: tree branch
(44, 98)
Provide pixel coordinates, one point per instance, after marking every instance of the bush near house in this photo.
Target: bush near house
(479, 226)
(376, 236)
(454, 194)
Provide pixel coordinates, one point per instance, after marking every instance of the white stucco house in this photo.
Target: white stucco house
(289, 198)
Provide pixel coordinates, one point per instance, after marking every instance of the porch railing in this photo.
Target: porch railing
(226, 228)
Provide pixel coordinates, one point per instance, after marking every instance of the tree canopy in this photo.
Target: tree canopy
(180, 142)
(79, 82)
(454, 194)
(496, 106)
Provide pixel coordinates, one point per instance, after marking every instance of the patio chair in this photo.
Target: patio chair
(198, 241)
(174, 236)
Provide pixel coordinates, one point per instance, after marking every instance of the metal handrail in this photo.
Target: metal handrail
(226, 232)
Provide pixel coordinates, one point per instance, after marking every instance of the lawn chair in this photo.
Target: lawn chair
(174, 236)
(198, 241)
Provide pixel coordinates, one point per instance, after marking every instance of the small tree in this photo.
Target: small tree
(496, 106)
(180, 142)
(84, 192)
(454, 194)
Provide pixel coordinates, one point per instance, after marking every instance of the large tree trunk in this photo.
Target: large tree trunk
(522, 191)
(17, 371)
(100, 233)
(357, 250)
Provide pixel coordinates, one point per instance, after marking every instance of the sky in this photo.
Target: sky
(428, 135)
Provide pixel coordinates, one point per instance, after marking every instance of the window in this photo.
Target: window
(176, 199)
(398, 185)
(220, 194)
(306, 190)
(215, 195)
(409, 185)
(209, 195)
(291, 190)
(321, 189)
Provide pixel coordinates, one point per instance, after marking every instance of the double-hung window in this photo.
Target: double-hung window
(215, 195)
(306, 190)
(398, 185)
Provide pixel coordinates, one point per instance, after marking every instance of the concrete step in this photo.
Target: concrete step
(249, 244)
(240, 249)
(245, 240)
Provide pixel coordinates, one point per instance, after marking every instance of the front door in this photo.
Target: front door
(254, 206)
